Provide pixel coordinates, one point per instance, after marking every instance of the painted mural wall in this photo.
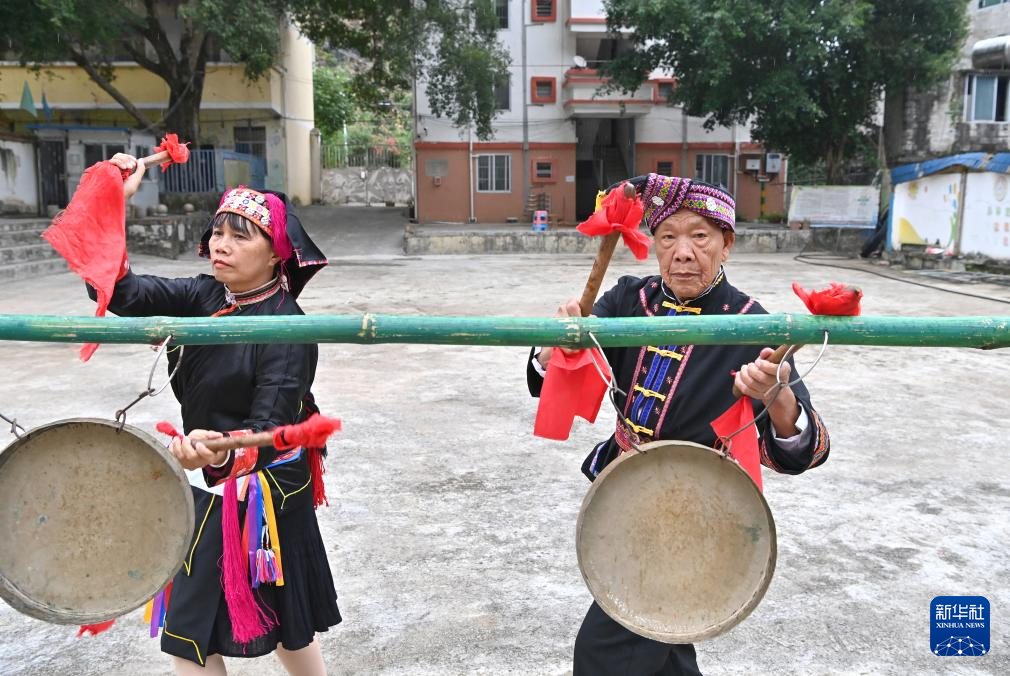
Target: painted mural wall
(925, 212)
(986, 228)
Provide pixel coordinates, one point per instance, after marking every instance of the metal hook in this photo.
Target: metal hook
(14, 425)
(151, 391)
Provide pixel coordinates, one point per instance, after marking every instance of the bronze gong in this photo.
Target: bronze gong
(677, 543)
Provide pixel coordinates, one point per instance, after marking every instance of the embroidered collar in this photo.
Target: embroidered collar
(254, 296)
(711, 287)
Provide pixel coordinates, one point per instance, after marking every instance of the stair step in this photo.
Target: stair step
(10, 273)
(16, 237)
(23, 253)
(19, 224)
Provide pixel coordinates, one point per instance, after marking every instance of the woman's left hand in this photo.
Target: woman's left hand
(191, 454)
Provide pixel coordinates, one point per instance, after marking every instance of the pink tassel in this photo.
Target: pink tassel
(248, 621)
(279, 226)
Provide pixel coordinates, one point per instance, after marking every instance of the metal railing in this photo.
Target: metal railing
(214, 171)
(339, 156)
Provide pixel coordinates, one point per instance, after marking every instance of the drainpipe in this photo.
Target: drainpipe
(684, 157)
(470, 158)
(526, 131)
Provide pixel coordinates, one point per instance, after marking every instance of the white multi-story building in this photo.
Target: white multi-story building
(558, 139)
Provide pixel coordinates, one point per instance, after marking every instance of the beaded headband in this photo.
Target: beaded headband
(664, 195)
(247, 203)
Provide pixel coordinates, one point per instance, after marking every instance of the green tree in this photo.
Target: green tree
(808, 75)
(174, 39)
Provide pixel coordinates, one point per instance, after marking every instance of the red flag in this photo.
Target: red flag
(744, 446)
(91, 234)
(573, 387)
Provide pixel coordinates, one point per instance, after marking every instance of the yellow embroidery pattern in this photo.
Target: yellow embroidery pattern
(199, 657)
(285, 496)
(188, 563)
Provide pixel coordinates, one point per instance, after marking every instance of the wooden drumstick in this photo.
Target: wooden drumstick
(776, 357)
(600, 265)
(154, 159)
(246, 441)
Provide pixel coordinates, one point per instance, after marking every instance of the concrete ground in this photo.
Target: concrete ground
(451, 529)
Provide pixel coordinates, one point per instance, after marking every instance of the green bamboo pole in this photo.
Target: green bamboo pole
(980, 332)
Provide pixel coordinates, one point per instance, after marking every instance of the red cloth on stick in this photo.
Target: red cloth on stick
(177, 152)
(744, 446)
(622, 214)
(838, 300)
(91, 235)
(572, 387)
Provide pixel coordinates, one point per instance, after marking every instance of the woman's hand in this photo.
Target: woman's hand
(191, 454)
(570, 308)
(132, 164)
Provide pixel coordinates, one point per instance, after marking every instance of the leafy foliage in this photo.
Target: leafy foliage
(808, 75)
(450, 42)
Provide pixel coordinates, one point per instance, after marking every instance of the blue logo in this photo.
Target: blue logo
(959, 626)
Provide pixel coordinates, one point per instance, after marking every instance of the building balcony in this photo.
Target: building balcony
(582, 97)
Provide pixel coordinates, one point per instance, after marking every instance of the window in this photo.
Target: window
(501, 94)
(713, 169)
(544, 10)
(251, 141)
(544, 90)
(664, 168)
(982, 4)
(494, 173)
(501, 10)
(664, 91)
(543, 171)
(985, 98)
(96, 152)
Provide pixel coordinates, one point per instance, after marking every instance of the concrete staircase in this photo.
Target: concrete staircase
(23, 252)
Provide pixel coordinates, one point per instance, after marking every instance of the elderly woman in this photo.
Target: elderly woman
(676, 391)
(219, 604)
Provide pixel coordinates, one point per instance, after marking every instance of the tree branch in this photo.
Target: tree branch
(156, 36)
(81, 60)
(154, 66)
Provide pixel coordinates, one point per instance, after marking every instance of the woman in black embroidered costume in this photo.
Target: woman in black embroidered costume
(261, 258)
(676, 391)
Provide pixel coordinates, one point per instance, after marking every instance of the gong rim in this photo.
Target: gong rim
(611, 590)
(57, 521)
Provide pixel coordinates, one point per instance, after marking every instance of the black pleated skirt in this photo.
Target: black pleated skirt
(197, 622)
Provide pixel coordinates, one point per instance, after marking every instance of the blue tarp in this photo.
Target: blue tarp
(998, 162)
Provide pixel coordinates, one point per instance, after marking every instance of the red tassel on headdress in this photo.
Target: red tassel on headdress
(248, 620)
(94, 629)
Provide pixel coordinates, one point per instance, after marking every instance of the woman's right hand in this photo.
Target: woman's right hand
(569, 308)
(136, 167)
